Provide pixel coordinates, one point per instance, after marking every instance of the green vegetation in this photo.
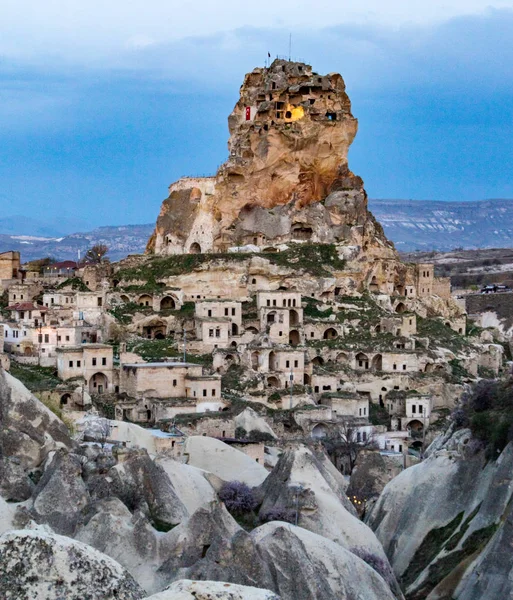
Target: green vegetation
(441, 335)
(310, 309)
(35, 378)
(317, 259)
(124, 313)
(458, 370)
(487, 409)
(431, 545)
(378, 415)
(159, 350)
(75, 283)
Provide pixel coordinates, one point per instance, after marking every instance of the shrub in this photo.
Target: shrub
(279, 513)
(240, 433)
(237, 497)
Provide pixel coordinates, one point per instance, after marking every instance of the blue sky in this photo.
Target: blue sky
(101, 109)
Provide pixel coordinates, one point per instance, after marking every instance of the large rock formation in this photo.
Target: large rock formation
(37, 564)
(445, 523)
(212, 590)
(28, 433)
(287, 175)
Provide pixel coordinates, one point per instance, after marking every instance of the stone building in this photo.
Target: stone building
(92, 363)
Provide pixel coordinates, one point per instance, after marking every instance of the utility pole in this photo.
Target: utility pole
(184, 345)
(291, 378)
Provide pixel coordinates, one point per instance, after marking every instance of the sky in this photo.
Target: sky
(103, 103)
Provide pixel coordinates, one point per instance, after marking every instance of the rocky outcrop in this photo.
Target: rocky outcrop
(28, 433)
(436, 517)
(38, 564)
(61, 495)
(306, 566)
(286, 178)
(250, 421)
(223, 461)
(212, 590)
(311, 489)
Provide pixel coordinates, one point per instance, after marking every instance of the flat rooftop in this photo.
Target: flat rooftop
(156, 365)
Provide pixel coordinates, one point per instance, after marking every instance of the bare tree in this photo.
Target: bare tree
(96, 254)
(103, 431)
(344, 446)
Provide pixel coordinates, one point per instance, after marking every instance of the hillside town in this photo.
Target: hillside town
(270, 346)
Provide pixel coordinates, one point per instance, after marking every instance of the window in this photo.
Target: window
(210, 333)
(70, 363)
(395, 367)
(209, 313)
(47, 338)
(43, 350)
(359, 412)
(39, 338)
(58, 338)
(274, 302)
(296, 363)
(233, 312)
(268, 303)
(225, 312)
(204, 393)
(284, 302)
(104, 361)
(421, 409)
(312, 334)
(174, 382)
(52, 300)
(413, 408)
(287, 364)
(253, 281)
(404, 367)
(67, 338)
(364, 433)
(218, 332)
(280, 333)
(358, 436)
(213, 392)
(79, 364)
(99, 301)
(94, 362)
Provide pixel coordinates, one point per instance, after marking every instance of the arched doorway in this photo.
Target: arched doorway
(255, 361)
(65, 400)
(98, 383)
(124, 298)
(341, 358)
(145, 300)
(400, 308)
(330, 334)
(273, 362)
(273, 382)
(235, 329)
(362, 361)
(195, 248)
(415, 426)
(307, 380)
(167, 303)
(294, 337)
(377, 362)
(293, 318)
(318, 361)
(373, 286)
(252, 330)
(320, 431)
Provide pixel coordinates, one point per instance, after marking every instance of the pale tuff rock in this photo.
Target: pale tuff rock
(249, 420)
(316, 490)
(190, 484)
(286, 177)
(436, 516)
(212, 590)
(306, 566)
(42, 565)
(223, 461)
(29, 432)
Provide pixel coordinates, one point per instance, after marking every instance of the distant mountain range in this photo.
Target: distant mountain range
(432, 225)
(410, 224)
(121, 241)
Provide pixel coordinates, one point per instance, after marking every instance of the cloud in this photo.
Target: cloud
(104, 137)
